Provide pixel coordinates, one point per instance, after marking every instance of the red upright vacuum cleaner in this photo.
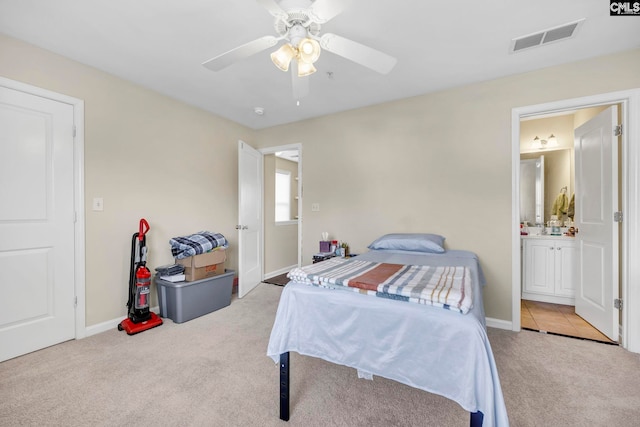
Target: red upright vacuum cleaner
(140, 317)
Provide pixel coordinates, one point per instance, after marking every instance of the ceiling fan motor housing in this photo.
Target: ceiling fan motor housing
(297, 25)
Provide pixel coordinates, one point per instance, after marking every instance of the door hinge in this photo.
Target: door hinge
(617, 131)
(617, 303)
(617, 216)
(75, 302)
(74, 131)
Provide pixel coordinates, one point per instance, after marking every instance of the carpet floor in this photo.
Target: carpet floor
(214, 371)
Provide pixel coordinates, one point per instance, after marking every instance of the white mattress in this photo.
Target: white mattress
(430, 348)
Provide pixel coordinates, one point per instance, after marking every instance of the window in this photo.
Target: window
(283, 195)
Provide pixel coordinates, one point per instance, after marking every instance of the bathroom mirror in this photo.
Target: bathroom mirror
(556, 172)
(532, 190)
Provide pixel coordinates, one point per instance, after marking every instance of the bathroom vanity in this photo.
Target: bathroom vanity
(550, 268)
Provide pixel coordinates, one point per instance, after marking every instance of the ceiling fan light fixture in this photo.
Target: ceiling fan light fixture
(283, 56)
(308, 50)
(305, 69)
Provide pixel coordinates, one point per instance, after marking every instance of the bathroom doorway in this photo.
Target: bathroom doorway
(630, 336)
(550, 255)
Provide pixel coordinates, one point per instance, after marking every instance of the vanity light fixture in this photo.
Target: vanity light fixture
(542, 144)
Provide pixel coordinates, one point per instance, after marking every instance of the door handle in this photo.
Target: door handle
(241, 227)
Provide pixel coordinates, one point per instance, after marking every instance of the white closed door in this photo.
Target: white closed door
(249, 226)
(37, 286)
(596, 158)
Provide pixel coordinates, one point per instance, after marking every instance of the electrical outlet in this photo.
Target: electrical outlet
(98, 204)
(315, 207)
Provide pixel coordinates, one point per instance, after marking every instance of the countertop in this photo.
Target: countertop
(547, 236)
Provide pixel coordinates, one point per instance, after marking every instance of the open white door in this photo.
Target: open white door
(249, 218)
(596, 159)
(37, 282)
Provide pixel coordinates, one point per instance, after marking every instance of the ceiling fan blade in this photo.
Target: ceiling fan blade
(324, 10)
(273, 8)
(358, 53)
(300, 84)
(241, 52)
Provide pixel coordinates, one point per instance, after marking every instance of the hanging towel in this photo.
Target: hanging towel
(560, 205)
(572, 206)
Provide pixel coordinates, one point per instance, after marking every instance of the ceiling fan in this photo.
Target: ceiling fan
(298, 22)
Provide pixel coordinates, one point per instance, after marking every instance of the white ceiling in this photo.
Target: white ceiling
(160, 44)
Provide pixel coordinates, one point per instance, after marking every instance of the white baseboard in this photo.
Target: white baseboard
(110, 324)
(499, 324)
(279, 272)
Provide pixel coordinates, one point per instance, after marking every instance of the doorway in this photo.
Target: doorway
(550, 258)
(282, 209)
(630, 160)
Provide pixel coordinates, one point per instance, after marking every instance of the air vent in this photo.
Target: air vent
(544, 37)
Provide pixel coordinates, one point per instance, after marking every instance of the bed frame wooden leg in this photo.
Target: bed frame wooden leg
(284, 387)
(476, 419)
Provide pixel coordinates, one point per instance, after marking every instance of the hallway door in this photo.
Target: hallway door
(37, 283)
(249, 218)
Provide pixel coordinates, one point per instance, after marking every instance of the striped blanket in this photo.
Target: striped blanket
(446, 287)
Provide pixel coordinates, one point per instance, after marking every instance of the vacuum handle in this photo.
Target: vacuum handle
(144, 227)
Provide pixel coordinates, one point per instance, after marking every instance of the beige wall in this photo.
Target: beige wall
(280, 241)
(147, 156)
(435, 163)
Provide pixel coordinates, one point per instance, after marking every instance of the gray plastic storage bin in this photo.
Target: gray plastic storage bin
(182, 301)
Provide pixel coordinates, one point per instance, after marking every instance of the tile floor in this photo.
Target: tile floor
(559, 319)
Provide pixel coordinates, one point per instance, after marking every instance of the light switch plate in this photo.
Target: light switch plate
(98, 204)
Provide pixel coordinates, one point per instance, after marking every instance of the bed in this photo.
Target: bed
(441, 348)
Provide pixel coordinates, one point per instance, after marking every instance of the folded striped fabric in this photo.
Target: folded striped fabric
(196, 244)
(446, 287)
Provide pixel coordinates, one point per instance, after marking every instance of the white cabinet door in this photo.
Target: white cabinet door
(566, 263)
(539, 267)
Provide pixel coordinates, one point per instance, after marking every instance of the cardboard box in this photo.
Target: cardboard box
(187, 300)
(201, 266)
